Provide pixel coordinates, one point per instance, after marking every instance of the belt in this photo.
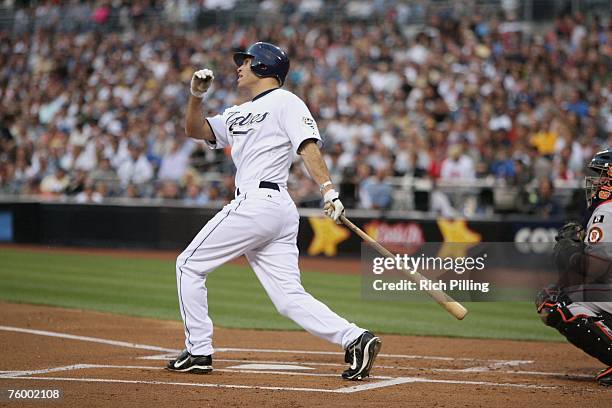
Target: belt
(264, 184)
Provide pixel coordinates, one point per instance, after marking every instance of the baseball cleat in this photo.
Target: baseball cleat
(605, 377)
(187, 363)
(361, 354)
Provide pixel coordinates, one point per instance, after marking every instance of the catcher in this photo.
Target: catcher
(580, 304)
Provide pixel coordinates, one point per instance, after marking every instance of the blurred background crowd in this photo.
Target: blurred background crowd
(462, 107)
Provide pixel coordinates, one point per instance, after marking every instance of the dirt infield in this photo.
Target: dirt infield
(99, 359)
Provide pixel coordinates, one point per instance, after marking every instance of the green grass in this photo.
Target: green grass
(145, 287)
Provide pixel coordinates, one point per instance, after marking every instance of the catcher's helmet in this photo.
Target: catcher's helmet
(598, 182)
(267, 60)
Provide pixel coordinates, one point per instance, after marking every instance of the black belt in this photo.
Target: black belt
(264, 184)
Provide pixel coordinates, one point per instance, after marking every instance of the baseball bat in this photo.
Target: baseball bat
(452, 306)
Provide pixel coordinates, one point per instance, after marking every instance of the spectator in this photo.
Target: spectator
(503, 166)
(457, 166)
(169, 190)
(195, 196)
(542, 201)
(376, 192)
(89, 194)
(136, 168)
(382, 95)
(174, 163)
(56, 183)
(544, 139)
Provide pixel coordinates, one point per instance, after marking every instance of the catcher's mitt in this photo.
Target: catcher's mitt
(571, 230)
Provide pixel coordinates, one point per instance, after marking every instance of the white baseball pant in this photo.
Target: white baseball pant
(262, 224)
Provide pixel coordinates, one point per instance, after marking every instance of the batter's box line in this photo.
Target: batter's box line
(364, 387)
(136, 367)
(233, 349)
(383, 355)
(344, 390)
(495, 367)
(27, 375)
(493, 363)
(21, 373)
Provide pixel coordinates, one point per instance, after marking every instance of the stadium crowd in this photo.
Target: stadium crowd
(91, 112)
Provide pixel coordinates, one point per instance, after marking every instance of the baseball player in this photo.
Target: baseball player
(580, 305)
(262, 221)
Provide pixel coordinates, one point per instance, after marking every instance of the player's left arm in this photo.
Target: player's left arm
(317, 168)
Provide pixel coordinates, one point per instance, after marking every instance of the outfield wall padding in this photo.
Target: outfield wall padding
(163, 227)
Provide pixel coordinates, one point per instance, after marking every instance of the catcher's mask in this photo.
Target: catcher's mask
(598, 181)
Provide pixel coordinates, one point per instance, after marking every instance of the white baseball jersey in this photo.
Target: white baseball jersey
(261, 223)
(264, 134)
(598, 279)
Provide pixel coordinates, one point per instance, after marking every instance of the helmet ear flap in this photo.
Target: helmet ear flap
(268, 60)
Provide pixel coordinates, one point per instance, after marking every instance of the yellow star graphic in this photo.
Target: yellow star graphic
(327, 236)
(458, 238)
(371, 229)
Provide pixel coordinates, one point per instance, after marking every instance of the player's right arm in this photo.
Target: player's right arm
(195, 123)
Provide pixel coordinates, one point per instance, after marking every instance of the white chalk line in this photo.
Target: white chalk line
(383, 355)
(492, 384)
(27, 375)
(43, 371)
(264, 366)
(495, 366)
(495, 363)
(174, 351)
(208, 385)
(223, 370)
(389, 381)
(165, 357)
(89, 339)
(371, 386)
(345, 390)
(9, 374)
(234, 349)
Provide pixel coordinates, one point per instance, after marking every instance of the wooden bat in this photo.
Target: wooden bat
(452, 306)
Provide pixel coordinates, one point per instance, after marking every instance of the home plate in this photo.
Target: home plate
(271, 367)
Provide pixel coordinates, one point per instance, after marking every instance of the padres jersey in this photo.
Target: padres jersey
(264, 134)
(260, 223)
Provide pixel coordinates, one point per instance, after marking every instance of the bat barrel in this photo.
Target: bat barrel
(449, 304)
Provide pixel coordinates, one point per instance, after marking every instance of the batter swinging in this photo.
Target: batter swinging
(262, 221)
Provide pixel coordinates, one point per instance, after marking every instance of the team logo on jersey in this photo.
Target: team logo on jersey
(594, 235)
(309, 122)
(236, 119)
(598, 219)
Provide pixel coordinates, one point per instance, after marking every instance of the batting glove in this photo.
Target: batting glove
(333, 206)
(200, 82)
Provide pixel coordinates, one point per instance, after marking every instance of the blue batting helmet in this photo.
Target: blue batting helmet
(267, 60)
